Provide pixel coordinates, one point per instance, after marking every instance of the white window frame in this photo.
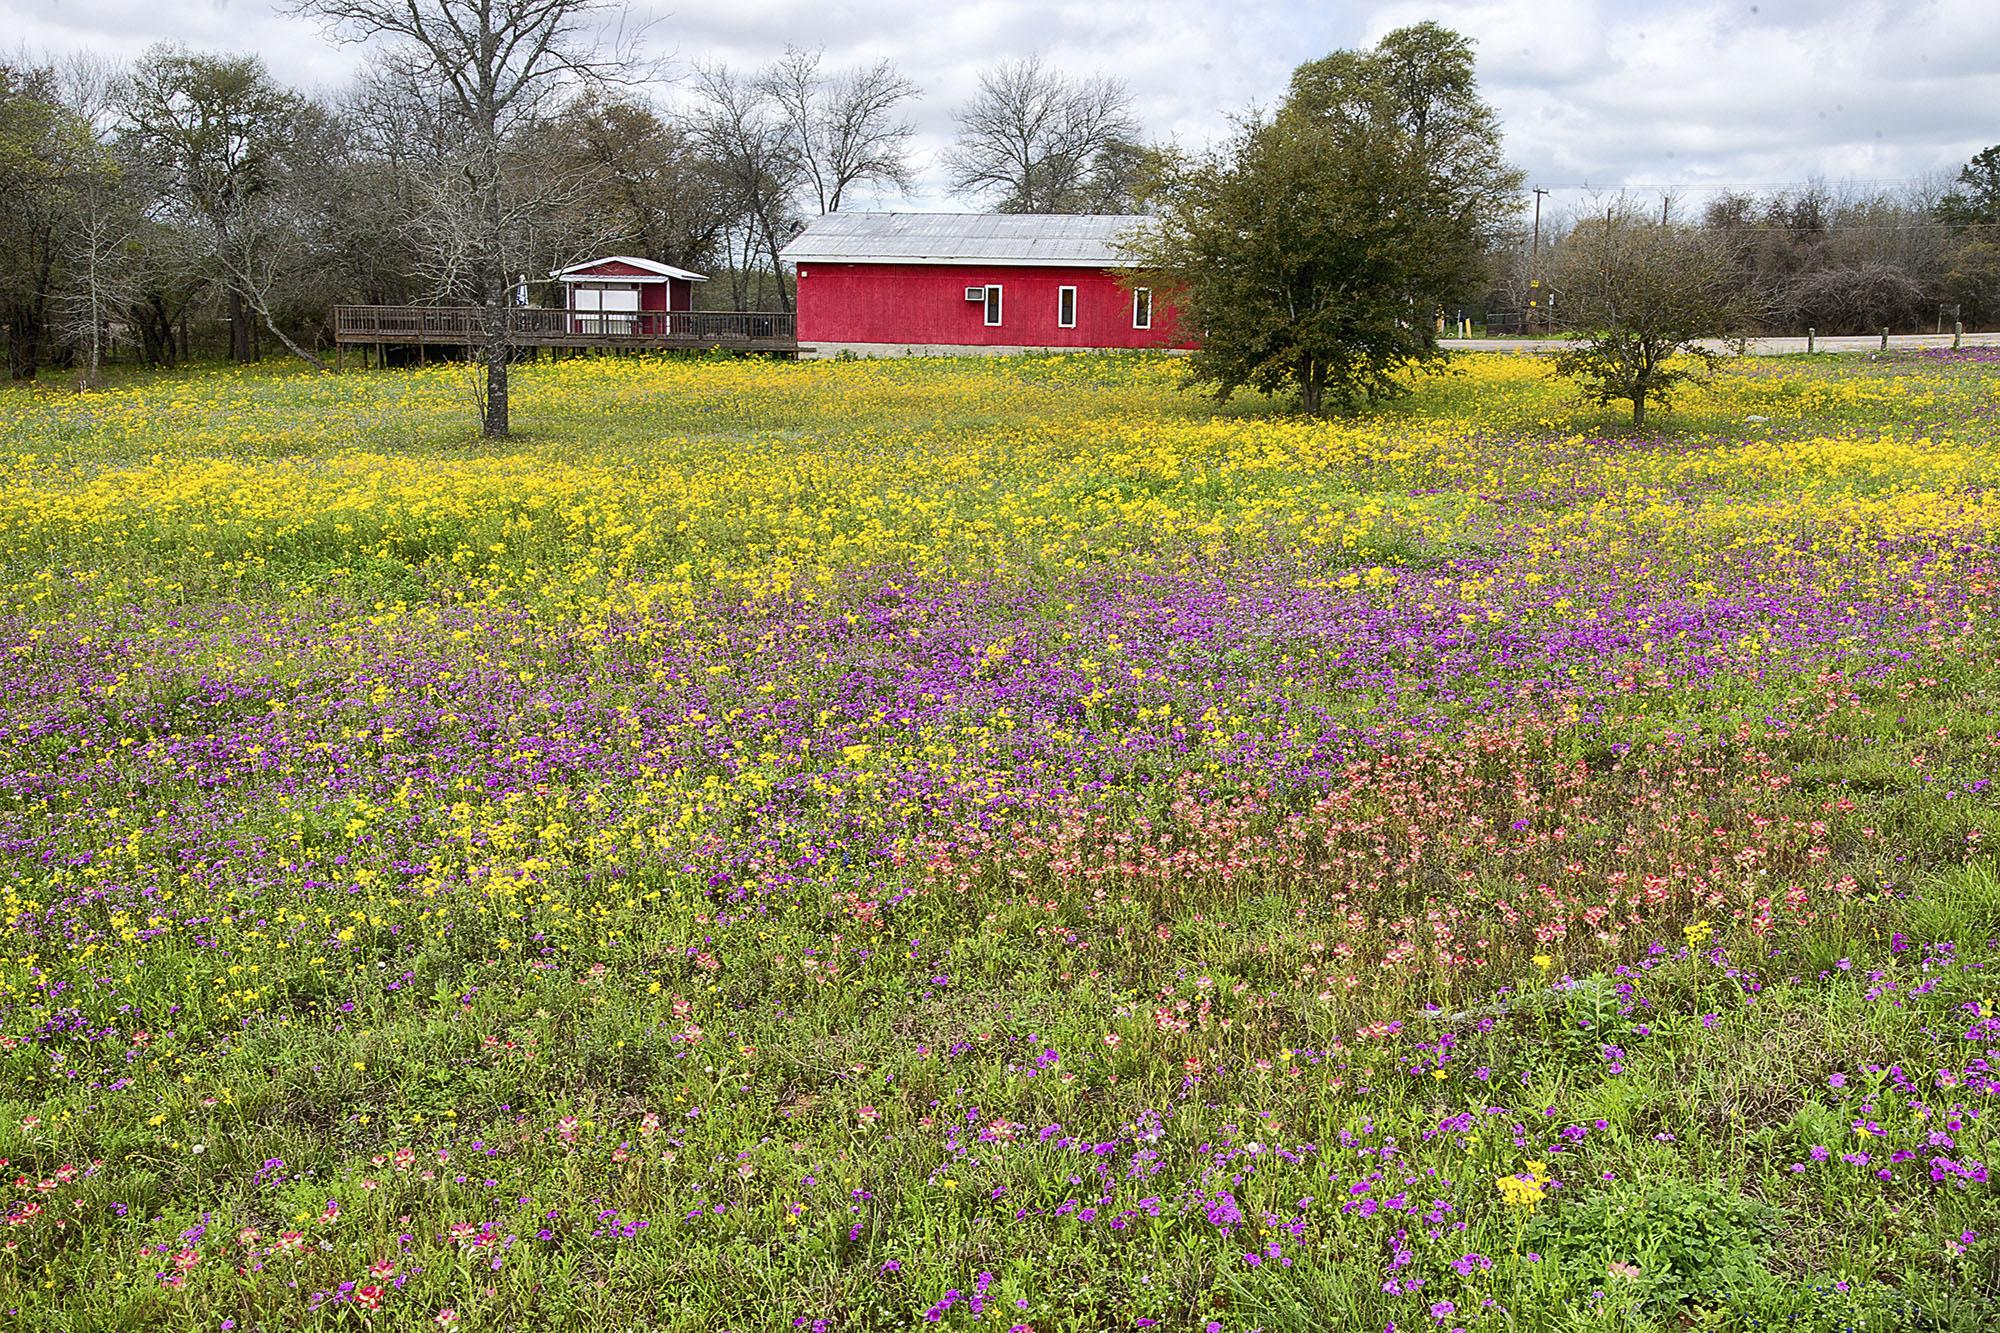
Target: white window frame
(1065, 294)
(995, 309)
(1142, 307)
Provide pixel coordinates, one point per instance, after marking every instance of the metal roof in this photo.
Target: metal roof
(580, 272)
(1081, 240)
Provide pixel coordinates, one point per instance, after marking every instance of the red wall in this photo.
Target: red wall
(655, 295)
(924, 304)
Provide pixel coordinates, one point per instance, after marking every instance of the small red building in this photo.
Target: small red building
(904, 284)
(623, 294)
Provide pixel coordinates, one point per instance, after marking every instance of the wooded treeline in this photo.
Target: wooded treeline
(1836, 259)
(189, 204)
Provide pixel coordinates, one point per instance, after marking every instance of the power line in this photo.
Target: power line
(1861, 226)
(1845, 228)
(1820, 183)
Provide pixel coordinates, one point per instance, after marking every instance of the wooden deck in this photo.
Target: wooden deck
(535, 326)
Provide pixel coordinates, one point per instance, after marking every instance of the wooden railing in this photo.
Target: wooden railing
(537, 326)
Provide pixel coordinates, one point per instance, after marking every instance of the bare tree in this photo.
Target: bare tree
(1037, 141)
(104, 221)
(843, 129)
(1637, 297)
(740, 127)
(498, 62)
(1842, 258)
(403, 141)
(96, 249)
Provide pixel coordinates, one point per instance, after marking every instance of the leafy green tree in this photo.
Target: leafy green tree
(230, 144)
(1638, 298)
(1975, 199)
(1310, 254)
(43, 148)
(639, 185)
(1971, 277)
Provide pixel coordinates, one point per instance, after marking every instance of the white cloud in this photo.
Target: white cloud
(1610, 92)
(294, 48)
(1729, 91)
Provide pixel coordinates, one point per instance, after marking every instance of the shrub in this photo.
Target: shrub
(1685, 1240)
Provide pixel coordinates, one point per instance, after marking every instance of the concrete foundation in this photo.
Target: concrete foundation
(821, 351)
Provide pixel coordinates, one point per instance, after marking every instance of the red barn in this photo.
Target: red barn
(623, 294)
(902, 284)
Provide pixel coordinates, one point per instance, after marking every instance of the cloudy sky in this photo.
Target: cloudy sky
(1595, 94)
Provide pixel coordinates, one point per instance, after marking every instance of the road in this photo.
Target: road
(1898, 342)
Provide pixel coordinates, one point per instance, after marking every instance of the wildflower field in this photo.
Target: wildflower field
(1000, 845)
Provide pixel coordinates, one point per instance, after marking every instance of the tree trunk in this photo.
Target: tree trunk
(777, 268)
(494, 291)
(156, 330)
(739, 281)
(1312, 385)
(239, 328)
(24, 345)
(155, 335)
(493, 318)
(493, 423)
(290, 346)
(96, 314)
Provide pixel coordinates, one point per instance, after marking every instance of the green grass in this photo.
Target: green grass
(997, 844)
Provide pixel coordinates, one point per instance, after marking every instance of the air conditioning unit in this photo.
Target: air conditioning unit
(975, 293)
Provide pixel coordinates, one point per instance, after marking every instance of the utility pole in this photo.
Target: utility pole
(1665, 199)
(1535, 260)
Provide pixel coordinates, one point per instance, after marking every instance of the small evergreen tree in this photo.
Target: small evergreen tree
(1974, 199)
(1971, 211)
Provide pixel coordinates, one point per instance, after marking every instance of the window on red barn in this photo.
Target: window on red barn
(1142, 307)
(992, 306)
(1066, 307)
